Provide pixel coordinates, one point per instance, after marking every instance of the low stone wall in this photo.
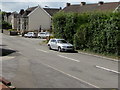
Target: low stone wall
(10, 32)
(6, 32)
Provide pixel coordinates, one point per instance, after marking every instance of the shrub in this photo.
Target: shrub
(98, 32)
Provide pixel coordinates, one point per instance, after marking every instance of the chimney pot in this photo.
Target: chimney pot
(60, 8)
(100, 3)
(83, 3)
(21, 11)
(67, 4)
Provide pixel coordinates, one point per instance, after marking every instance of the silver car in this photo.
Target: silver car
(60, 45)
(44, 34)
(30, 35)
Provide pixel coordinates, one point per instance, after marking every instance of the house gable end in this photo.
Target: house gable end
(41, 9)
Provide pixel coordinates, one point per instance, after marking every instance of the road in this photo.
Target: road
(32, 65)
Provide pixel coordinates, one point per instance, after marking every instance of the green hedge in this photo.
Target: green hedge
(97, 32)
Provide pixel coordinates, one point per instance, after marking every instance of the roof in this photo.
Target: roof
(50, 11)
(7, 14)
(92, 7)
(15, 14)
(29, 10)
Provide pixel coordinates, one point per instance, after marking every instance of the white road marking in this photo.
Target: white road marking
(71, 76)
(6, 58)
(42, 50)
(68, 58)
(108, 69)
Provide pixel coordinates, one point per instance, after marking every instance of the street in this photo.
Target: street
(32, 65)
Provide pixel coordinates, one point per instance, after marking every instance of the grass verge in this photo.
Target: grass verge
(43, 42)
(102, 55)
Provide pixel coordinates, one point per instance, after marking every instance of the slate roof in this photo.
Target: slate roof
(7, 14)
(92, 7)
(29, 10)
(15, 14)
(50, 11)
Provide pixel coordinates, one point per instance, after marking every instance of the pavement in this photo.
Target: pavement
(35, 66)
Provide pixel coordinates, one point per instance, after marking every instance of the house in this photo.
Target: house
(5, 17)
(100, 6)
(11, 18)
(35, 19)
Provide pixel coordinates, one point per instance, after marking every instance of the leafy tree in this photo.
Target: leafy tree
(5, 25)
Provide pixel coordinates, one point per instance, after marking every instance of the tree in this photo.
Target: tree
(5, 25)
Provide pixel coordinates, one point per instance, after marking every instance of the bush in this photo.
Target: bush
(97, 32)
(5, 25)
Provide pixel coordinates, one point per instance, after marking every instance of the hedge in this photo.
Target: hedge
(97, 32)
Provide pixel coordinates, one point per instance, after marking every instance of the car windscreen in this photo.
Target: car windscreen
(42, 33)
(30, 33)
(62, 41)
(45, 33)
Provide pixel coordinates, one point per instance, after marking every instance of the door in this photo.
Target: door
(53, 44)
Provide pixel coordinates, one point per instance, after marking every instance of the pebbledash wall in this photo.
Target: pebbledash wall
(37, 18)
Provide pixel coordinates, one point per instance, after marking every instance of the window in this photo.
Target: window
(53, 41)
(62, 41)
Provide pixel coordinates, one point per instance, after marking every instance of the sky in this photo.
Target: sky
(16, 5)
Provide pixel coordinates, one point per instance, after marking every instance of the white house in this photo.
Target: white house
(35, 19)
(11, 18)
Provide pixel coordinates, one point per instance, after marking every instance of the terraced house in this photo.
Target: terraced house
(35, 19)
(38, 18)
(100, 6)
(12, 19)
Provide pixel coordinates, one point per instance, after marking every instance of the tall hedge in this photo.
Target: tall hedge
(98, 32)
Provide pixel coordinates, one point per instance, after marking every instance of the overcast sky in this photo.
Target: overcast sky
(16, 5)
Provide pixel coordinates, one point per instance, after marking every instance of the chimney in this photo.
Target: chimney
(67, 4)
(60, 8)
(83, 3)
(100, 3)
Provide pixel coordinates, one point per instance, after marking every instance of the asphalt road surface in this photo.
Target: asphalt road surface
(32, 65)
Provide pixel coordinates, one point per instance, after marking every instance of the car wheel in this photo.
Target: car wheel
(50, 47)
(59, 49)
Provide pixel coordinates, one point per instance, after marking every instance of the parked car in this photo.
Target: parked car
(30, 35)
(44, 34)
(13, 33)
(60, 45)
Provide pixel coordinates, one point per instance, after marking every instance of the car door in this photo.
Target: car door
(53, 44)
(28, 34)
